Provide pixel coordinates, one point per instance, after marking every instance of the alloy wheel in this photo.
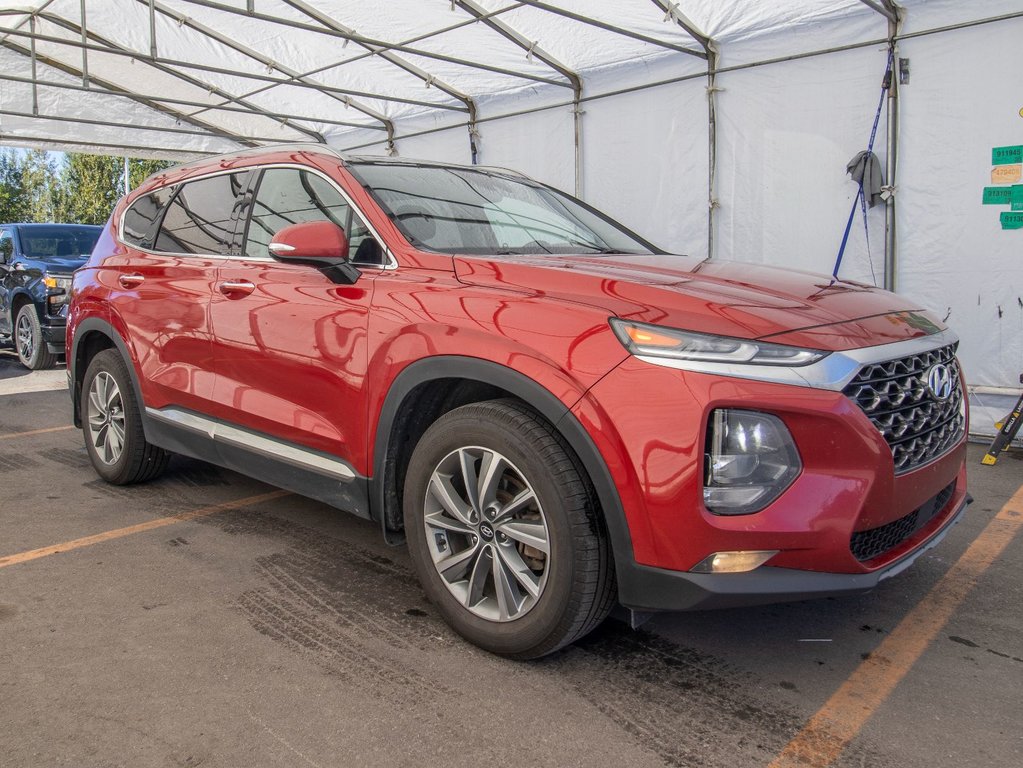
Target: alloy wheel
(106, 418)
(487, 534)
(26, 345)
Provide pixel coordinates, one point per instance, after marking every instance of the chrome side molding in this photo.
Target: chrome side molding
(258, 444)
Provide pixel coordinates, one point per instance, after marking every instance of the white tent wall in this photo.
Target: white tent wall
(954, 255)
(786, 128)
(785, 134)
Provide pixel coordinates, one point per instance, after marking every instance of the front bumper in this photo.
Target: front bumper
(643, 588)
(54, 330)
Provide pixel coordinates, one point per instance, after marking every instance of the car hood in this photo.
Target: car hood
(712, 296)
(60, 265)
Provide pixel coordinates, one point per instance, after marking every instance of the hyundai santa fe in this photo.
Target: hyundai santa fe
(556, 415)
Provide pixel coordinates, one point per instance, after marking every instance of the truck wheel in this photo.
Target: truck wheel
(28, 340)
(112, 424)
(504, 531)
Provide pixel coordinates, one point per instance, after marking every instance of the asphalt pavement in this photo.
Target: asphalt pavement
(204, 619)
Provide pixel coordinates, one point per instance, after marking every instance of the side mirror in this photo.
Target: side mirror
(321, 244)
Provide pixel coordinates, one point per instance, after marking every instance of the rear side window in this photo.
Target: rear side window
(289, 196)
(142, 218)
(198, 219)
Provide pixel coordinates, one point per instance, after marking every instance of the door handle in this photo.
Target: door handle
(131, 281)
(236, 289)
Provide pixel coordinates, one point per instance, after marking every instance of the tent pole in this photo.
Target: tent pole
(891, 261)
(35, 77)
(85, 51)
(712, 143)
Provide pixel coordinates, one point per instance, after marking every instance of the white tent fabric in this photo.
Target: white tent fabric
(797, 85)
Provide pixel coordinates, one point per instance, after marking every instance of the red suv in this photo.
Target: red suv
(556, 414)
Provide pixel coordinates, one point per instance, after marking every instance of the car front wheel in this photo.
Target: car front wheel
(504, 531)
(29, 342)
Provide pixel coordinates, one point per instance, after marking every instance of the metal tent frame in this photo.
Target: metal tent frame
(230, 100)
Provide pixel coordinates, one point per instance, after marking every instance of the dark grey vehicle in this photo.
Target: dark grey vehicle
(36, 262)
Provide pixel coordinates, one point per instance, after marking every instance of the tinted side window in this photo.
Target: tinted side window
(142, 218)
(289, 196)
(198, 219)
(6, 246)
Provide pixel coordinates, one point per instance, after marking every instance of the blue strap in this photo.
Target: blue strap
(848, 227)
(860, 197)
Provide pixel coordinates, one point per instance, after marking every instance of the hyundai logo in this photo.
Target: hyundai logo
(486, 532)
(939, 381)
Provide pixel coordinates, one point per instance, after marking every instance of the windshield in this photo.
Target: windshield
(464, 210)
(58, 242)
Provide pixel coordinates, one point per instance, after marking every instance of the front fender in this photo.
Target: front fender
(541, 399)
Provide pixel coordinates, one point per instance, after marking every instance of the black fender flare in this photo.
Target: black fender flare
(96, 324)
(536, 397)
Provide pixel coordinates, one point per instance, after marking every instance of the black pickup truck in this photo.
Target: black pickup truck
(36, 262)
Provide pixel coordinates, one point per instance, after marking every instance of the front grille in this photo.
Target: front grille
(866, 545)
(916, 425)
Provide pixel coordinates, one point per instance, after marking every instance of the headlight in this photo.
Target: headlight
(751, 459)
(58, 290)
(642, 340)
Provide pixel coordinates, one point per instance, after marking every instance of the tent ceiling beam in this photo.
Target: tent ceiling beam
(529, 46)
(885, 10)
(532, 49)
(250, 53)
(672, 13)
(388, 56)
(251, 140)
(209, 128)
(396, 60)
(28, 13)
(104, 147)
(172, 66)
(282, 116)
(112, 48)
(582, 19)
(382, 45)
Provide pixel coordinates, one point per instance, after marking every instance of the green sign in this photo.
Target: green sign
(1016, 197)
(1012, 220)
(1007, 155)
(997, 196)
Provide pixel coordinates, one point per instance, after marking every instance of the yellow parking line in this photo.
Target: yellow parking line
(160, 522)
(842, 717)
(37, 432)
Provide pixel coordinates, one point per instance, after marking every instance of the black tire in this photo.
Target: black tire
(28, 340)
(577, 586)
(137, 460)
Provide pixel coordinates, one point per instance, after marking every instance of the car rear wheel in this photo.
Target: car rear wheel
(112, 424)
(504, 531)
(29, 342)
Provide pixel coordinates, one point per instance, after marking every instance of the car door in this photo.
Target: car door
(290, 345)
(164, 281)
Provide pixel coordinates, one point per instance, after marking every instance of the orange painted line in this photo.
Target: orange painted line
(37, 432)
(842, 717)
(161, 522)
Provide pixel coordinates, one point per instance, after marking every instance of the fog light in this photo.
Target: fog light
(734, 562)
(751, 459)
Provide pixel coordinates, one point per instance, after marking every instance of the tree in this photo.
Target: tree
(88, 187)
(79, 188)
(14, 201)
(139, 169)
(41, 185)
